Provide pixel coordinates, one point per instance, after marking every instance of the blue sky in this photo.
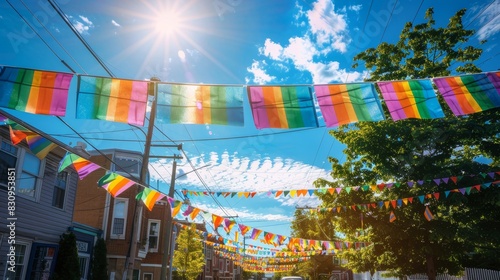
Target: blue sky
(240, 42)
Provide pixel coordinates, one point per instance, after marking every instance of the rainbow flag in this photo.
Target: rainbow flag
(82, 166)
(34, 91)
(470, 94)
(40, 146)
(18, 132)
(428, 214)
(282, 106)
(411, 99)
(115, 184)
(149, 197)
(347, 103)
(204, 104)
(112, 99)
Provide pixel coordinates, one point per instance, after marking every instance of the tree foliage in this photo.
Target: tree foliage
(463, 232)
(188, 256)
(67, 265)
(100, 261)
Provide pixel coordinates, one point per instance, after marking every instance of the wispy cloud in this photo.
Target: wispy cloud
(113, 22)
(311, 52)
(232, 172)
(82, 25)
(489, 21)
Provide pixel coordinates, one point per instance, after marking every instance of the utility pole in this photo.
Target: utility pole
(132, 250)
(166, 260)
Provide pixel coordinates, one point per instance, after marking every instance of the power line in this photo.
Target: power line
(79, 36)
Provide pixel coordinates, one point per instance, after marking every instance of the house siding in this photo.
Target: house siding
(38, 222)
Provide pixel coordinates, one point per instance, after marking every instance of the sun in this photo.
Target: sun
(168, 23)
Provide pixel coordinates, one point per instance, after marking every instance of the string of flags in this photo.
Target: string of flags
(379, 187)
(116, 184)
(282, 106)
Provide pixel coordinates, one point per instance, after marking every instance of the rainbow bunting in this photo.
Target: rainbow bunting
(18, 133)
(411, 99)
(34, 91)
(112, 99)
(193, 104)
(494, 78)
(428, 214)
(243, 228)
(115, 184)
(150, 197)
(347, 103)
(282, 106)
(392, 217)
(255, 233)
(3, 120)
(40, 146)
(82, 166)
(470, 94)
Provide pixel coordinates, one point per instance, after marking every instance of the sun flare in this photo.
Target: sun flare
(168, 23)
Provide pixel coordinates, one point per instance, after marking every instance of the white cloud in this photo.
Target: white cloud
(272, 50)
(355, 8)
(84, 25)
(231, 172)
(115, 23)
(327, 25)
(312, 51)
(489, 21)
(259, 73)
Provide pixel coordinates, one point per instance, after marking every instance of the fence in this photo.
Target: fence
(469, 274)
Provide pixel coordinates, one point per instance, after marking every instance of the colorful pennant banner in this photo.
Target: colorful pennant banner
(282, 106)
(411, 99)
(114, 183)
(200, 104)
(82, 166)
(470, 94)
(347, 103)
(112, 99)
(34, 91)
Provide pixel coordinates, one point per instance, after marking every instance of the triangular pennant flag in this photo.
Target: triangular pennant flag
(150, 197)
(40, 146)
(82, 166)
(217, 220)
(428, 214)
(437, 181)
(445, 180)
(115, 184)
(243, 229)
(392, 217)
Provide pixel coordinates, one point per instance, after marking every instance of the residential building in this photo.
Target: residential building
(37, 203)
(96, 208)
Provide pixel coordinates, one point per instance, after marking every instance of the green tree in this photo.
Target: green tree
(188, 256)
(100, 261)
(315, 227)
(67, 265)
(463, 232)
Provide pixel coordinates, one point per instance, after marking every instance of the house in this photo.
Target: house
(37, 203)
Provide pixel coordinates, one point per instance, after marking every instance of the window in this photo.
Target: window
(147, 276)
(21, 263)
(60, 189)
(119, 222)
(31, 169)
(128, 164)
(30, 174)
(84, 260)
(153, 235)
(8, 159)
